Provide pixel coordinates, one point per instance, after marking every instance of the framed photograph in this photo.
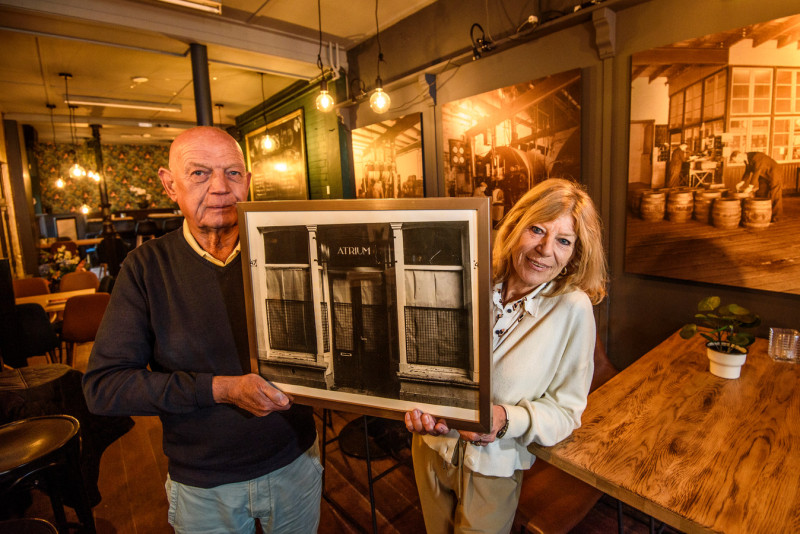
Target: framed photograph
(714, 159)
(501, 143)
(276, 157)
(372, 306)
(387, 158)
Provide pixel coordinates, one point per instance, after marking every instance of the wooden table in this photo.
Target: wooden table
(53, 302)
(698, 452)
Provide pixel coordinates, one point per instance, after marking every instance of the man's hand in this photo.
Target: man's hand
(250, 392)
(481, 440)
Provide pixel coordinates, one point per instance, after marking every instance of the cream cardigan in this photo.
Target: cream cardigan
(541, 374)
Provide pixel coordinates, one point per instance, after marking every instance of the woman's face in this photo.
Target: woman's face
(543, 250)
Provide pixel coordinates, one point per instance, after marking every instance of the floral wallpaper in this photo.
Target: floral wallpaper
(131, 173)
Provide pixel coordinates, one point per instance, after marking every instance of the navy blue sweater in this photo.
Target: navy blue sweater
(175, 320)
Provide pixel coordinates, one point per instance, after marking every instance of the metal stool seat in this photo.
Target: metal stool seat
(46, 449)
(27, 526)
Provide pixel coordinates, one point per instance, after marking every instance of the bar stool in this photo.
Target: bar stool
(146, 229)
(46, 449)
(27, 525)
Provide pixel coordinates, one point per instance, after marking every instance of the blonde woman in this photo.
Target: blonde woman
(549, 268)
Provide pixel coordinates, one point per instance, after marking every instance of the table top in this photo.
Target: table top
(698, 452)
(53, 302)
(163, 216)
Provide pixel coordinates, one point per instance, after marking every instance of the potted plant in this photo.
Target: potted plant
(727, 343)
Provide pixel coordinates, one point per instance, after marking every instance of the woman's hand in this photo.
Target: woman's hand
(424, 423)
(481, 440)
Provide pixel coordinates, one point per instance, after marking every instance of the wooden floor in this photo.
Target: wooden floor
(133, 470)
(766, 259)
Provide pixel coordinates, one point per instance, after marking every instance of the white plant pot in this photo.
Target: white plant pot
(724, 364)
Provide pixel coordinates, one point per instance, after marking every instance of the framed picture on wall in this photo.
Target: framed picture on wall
(503, 142)
(714, 159)
(372, 306)
(276, 157)
(387, 158)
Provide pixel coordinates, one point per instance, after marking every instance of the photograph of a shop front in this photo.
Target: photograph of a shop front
(378, 308)
(387, 158)
(503, 142)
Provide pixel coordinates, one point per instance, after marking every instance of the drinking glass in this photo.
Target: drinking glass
(783, 344)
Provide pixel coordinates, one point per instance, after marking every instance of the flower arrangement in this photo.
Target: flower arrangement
(56, 265)
(143, 196)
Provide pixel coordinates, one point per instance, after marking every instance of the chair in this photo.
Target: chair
(82, 316)
(79, 280)
(28, 287)
(35, 334)
(46, 450)
(171, 224)
(106, 284)
(552, 501)
(111, 251)
(146, 229)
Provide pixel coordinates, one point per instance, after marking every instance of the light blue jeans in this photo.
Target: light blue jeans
(286, 501)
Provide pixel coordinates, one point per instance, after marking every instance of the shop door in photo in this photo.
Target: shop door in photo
(361, 352)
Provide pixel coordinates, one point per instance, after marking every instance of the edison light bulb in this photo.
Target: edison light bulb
(94, 176)
(379, 101)
(324, 101)
(60, 183)
(76, 171)
(268, 143)
(84, 209)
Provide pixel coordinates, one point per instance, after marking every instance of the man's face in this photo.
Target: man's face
(207, 176)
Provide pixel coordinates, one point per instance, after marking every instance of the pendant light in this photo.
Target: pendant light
(76, 170)
(324, 101)
(379, 101)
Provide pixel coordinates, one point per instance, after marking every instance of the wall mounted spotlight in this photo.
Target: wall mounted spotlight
(479, 44)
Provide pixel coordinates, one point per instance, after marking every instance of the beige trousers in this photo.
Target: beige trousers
(456, 500)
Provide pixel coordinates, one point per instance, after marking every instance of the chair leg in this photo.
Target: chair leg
(70, 352)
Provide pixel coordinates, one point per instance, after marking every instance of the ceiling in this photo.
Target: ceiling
(710, 50)
(255, 49)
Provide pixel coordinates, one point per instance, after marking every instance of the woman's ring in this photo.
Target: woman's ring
(477, 443)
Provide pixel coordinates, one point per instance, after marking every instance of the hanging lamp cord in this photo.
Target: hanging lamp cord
(319, 53)
(378, 38)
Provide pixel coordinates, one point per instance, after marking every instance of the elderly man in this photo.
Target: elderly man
(676, 163)
(173, 343)
(761, 173)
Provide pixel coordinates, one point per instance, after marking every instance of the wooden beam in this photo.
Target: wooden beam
(774, 32)
(540, 91)
(670, 56)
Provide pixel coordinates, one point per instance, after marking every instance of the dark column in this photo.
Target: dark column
(112, 254)
(21, 197)
(202, 89)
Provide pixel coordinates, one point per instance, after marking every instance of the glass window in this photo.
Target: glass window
(676, 110)
(786, 139)
(714, 98)
(286, 245)
(787, 91)
(751, 90)
(434, 244)
(750, 135)
(694, 103)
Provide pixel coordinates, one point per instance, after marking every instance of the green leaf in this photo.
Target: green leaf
(707, 337)
(708, 304)
(688, 331)
(742, 339)
(738, 310)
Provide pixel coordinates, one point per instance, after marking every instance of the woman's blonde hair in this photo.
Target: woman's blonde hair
(546, 202)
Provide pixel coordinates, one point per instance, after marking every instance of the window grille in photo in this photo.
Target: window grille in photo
(291, 325)
(374, 327)
(343, 326)
(437, 336)
(326, 338)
